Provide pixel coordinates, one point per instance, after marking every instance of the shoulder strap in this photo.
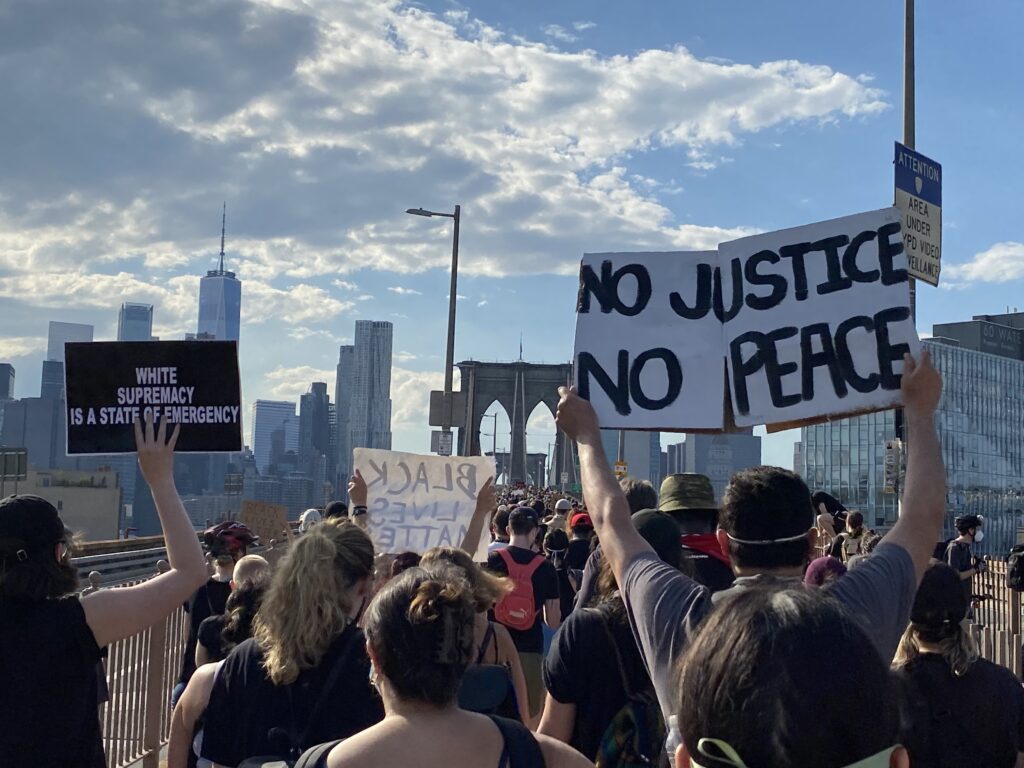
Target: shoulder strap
(531, 568)
(486, 642)
(615, 649)
(339, 665)
(520, 745)
(527, 570)
(505, 555)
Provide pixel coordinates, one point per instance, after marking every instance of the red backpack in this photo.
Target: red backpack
(518, 609)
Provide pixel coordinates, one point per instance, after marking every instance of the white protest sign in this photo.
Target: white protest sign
(648, 350)
(808, 322)
(818, 319)
(418, 502)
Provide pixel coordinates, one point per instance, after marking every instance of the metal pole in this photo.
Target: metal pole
(449, 359)
(909, 123)
(622, 445)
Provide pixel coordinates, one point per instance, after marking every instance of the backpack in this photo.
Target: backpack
(487, 688)
(518, 609)
(1015, 568)
(850, 546)
(635, 738)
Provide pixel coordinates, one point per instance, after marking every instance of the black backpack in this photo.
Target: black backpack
(1015, 568)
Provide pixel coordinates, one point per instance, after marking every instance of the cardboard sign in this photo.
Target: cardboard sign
(419, 502)
(268, 521)
(193, 383)
(781, 328)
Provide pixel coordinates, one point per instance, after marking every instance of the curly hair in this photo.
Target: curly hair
(488, 589)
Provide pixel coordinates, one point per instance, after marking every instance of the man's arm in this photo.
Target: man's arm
(553, 613)
(606, 503)
(924, 490)
(357, 495)
(486, 504)
(558, 719)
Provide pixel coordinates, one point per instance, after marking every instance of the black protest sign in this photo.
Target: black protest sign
(192, 383)
(801, 324)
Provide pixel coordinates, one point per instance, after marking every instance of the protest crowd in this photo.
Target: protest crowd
(631, 626)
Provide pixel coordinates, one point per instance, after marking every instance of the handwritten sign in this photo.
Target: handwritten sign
(268, 521)
(193, 383)
(418, 502)
(789, 326)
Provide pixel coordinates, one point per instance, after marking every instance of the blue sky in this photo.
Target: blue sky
(560, 128)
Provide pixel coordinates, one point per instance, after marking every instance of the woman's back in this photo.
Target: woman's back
(48, 694)
(248, 715)
(975, 719)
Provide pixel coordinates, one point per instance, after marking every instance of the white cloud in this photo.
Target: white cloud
(558, 32)
(482, 303)
(404, 291)
(404, 357)
(364, 297)
(583, 26)
(289, 383)
(410, 395)
(12, 347)
(345, 285)
(1000, 263)
(296, 304)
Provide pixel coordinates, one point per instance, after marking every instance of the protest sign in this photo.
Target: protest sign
(268, 521)
(781, 328)
(193, 383)
(417, 502)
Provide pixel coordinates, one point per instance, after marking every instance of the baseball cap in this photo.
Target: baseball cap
(581, 518)
(522, 514)
(563, 505)
(661, 532)
(29, 525)
(335, 509)
(966, 522)
(686, 491)
(940, 599)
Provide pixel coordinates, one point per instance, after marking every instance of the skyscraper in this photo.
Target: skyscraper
(268, 416)
(363, 394)
(61, 333)
(6, 381)
(135, 322)
(315, 456)
(220, 299)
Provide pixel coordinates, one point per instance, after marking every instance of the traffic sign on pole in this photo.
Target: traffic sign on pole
(919, 199)
(621, 469)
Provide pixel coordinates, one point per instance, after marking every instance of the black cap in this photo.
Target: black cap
(661, 531)
(336, 509)
(966, 522)
(940, 599)
(523, 513)
(29, 525)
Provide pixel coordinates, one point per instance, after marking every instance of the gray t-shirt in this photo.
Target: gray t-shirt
(665, 608)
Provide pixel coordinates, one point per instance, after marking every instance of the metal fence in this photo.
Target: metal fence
(141, 671)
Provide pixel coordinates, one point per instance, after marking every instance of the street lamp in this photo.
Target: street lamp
(449, 360)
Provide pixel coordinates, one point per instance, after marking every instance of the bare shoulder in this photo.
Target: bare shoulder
(362, 749)
(560, 755)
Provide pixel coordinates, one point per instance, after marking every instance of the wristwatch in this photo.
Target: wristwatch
(358, 510)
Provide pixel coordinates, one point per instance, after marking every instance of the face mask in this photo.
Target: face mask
(978, 536)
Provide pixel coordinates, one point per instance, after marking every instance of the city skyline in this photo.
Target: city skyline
(710, 128)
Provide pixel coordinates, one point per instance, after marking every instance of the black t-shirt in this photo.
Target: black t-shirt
(209, 600)
(245, 705)
(210, 636)
(545, 587)
(973, 721)
(576, 557)
(580, 669)
(959, 558)
(706, 570)
(566, 594)
(48, 686)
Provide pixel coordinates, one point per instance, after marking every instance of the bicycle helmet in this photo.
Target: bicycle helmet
(228, 538)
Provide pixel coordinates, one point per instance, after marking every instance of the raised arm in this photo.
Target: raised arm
(114, 614)
(357, 496)
(606, 503)
(924, 490)
(486, 503)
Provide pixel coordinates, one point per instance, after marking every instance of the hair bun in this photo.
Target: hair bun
(430, 601)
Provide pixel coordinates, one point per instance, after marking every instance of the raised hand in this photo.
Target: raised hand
(575, 416)
(156, 452)
(921, 385)
(357, 493)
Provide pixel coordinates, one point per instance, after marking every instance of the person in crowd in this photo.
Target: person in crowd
(823, 571)
(499, 530)
(640, 494)
(308, 519)
(51, 639)
(962, 710)
(749, 688)
(594, 668)
(491, 640)
(853, 541)
(533, 600)
(582, 529)
(959, 555)
(690, 500)
(767, 526)
(559, 521)
(556, 547)
(227, 543)
(304, 676)
(335, 510)
(420, 637)
(831, 517)
(403, 562)
(220, 633)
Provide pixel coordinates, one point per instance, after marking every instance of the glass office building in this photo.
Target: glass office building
(981, 427)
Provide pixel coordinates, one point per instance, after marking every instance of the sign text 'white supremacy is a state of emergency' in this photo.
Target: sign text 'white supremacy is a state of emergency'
(793, 325)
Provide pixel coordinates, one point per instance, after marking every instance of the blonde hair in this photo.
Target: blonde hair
(958, 649)
(251, 568)
(310, 598)
(487, 588)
